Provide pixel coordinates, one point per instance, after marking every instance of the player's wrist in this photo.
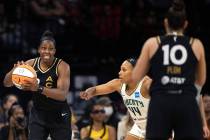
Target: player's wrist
(90, 90)
(40, 89)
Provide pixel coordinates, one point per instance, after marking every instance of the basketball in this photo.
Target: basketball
(21, 74)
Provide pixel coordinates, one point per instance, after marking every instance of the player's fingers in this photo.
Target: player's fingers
(27, 82)
(82, 94)
(19, 63)
(206, 134)
(16, 64)
(22, 62)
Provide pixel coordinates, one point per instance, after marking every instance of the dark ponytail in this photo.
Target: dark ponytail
(176, 15)
(132, 61)
(48, 35)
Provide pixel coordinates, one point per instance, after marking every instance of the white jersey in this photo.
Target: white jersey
(136, 104)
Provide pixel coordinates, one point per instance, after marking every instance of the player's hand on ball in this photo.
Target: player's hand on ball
(30, 85)
(19, 63)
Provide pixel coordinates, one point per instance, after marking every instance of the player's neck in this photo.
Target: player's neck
(47, 64)
(131, 86)
(176, 33)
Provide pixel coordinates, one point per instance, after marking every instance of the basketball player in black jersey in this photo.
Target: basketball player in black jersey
(50, 114)
(176, 63)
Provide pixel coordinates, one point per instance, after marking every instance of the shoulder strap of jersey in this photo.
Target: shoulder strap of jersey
(122, 89)
(140, 84)
(58, 62)
(35, 62)
(158, 40)
(191, 40)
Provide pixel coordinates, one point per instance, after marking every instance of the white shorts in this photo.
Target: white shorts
(137, 132)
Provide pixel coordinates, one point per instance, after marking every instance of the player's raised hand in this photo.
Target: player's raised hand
(206, 132)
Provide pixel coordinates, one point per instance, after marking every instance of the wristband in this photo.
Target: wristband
(199, 88)
(40, 89)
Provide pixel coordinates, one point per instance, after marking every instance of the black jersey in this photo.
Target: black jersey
(173, 66)
(48, 79)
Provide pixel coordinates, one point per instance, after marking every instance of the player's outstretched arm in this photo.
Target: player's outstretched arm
(109, 87)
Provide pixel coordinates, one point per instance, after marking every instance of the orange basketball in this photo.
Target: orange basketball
(21, 74)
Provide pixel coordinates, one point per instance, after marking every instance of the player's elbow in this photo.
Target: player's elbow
(201, 81)
(7, 84)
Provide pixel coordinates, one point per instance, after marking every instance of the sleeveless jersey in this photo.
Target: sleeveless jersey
(48, 79)
(98, 134)
(136, 104)
(175, 63)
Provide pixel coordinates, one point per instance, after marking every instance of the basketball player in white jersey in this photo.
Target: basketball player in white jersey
(135, 96)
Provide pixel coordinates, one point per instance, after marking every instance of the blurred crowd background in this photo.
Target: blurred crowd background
(93, 36)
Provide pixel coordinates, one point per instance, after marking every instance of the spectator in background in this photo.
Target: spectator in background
(16, 130)
(8, 100)
(111, 116)
(206, 103)
(45, 14)
(46, 9)
(84, 119)
(124, 126)
(98, 129)
(106, 19)
(75, 131)
(12, 11)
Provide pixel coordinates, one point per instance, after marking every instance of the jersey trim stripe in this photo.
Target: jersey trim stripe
(38, 65)
(59, 61)
(191, 40)
(131, 93)
(34, 63)
(158, 40)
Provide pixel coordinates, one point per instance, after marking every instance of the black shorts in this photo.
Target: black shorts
(178, 113)
(57, 124)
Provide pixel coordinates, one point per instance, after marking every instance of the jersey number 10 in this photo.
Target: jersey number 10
(170, 54)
